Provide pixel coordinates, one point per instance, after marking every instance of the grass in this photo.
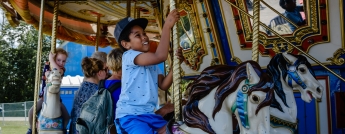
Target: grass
(13, 127)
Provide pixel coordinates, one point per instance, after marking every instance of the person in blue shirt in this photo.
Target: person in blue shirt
(292, 12)
(141, 76)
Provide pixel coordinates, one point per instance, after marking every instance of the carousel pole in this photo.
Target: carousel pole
(176, 70)
(128, 8)
(38, 66)
(256, 25)
(55, 17)
(98, 31)
(289, 43)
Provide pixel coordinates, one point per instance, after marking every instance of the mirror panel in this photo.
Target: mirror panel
(302, 22)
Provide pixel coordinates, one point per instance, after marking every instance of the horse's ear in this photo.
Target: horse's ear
(253, 77)
(289, 58)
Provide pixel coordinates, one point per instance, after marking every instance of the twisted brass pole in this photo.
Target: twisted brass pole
(288, 42)
(55, 21)
(256, 20)
(128, 13)
(98, 31)
(38, 66)
(176, 70)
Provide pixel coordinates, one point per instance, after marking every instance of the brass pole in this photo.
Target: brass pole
(176, 70)
(98, 31)
(256, 26)
(128, 8)
(342, 22)
(158, 19)
(38, 66)
(288, 42)
(138, 12)
(55, 19)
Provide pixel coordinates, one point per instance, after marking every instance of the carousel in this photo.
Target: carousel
(251, 66)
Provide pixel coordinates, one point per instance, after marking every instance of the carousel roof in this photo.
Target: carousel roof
(77, 20)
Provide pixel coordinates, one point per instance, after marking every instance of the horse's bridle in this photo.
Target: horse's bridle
(293, 75)
(241, 103)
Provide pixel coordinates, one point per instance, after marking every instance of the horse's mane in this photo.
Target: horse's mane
(209, 78)
(279, 62)
(228, 78)
(231, 84)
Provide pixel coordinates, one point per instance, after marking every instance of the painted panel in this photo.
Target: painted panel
(328, 49)
(327, 104)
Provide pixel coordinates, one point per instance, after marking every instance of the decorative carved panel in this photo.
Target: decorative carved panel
(302, 22)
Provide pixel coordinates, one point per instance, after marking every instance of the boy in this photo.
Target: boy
(292, 12)
(141, 76)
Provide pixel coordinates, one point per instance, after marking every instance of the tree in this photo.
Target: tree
(18, 61)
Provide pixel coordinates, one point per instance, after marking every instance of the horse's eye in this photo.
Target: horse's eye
(302, 70)
(255, 98)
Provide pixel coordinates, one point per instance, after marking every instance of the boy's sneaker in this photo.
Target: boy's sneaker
(29, 131)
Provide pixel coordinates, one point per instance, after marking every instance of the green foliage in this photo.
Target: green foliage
(18, 61)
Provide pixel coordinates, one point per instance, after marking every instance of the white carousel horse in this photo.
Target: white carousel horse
(50, 120)
(219, 92)
(290, 72)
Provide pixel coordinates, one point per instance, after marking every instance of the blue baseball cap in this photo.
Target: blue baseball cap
(126, 23)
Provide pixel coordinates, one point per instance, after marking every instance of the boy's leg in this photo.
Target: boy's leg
(131, 125)
(162, 130)
(140, 124)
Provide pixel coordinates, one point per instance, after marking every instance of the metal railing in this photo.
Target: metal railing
(15, 110)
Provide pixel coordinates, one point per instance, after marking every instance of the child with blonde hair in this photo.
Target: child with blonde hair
(58, 61)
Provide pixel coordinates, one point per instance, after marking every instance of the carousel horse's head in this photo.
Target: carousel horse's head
(255, 117)
(244, 90)
(296, 72)
(54, 81)
(253, 97)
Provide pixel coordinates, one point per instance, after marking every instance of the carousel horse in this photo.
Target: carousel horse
(50, 120)
(222, 90)
(290, 72)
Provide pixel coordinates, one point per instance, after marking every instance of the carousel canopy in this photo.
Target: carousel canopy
(77, 20)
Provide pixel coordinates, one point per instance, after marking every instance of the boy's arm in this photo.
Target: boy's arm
(161, 53)
(164, 83)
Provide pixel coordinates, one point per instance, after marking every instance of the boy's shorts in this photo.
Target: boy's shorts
(139, 124)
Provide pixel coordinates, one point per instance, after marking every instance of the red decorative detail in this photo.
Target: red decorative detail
(305, 45)
(327, 91)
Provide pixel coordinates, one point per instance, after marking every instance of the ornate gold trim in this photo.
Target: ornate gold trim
(193, 55)
(336, 59)
(283, 122)
(236, 59)
(226, 29)
(296, 36)
(215, 35)
(341, 9)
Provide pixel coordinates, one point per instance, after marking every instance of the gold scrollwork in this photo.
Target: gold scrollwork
(236, 59)
(193, 52)
(267, 41)
(336, 59)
